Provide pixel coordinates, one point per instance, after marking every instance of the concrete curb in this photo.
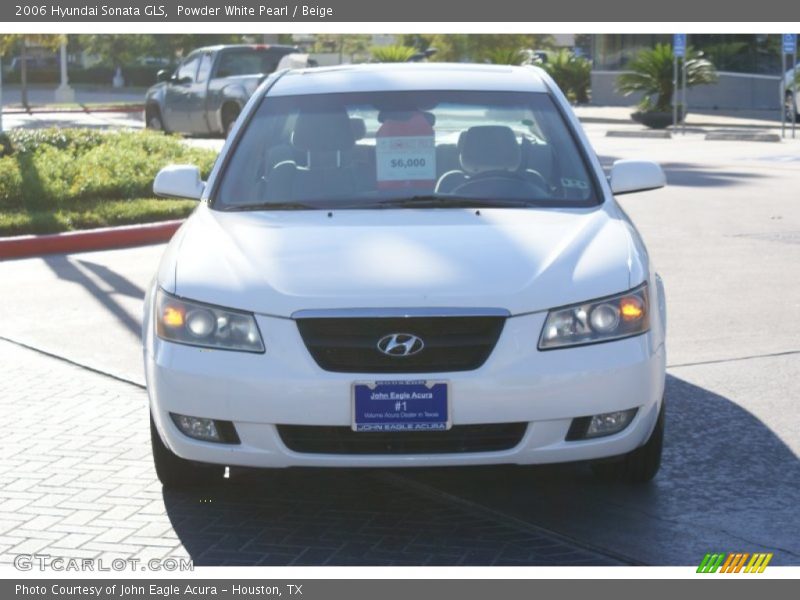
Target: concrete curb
(92, 239)
(639, 133)
(744, 136)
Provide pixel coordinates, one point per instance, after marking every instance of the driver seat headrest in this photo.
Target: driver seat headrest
(323, 131)
(489, 148)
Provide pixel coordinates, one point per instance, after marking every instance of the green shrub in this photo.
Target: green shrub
(10, 184)
(651, 72)
(88, 214)
(386, 54)
(505, 56)
(124, 166)
(23, 141)
(52, 168)
(571, 73)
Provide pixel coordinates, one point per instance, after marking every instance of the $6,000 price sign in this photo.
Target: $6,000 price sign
(406, 158)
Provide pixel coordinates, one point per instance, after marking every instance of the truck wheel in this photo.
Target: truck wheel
(153, 120)
(177, 473)
(638, 466)
(229, 114)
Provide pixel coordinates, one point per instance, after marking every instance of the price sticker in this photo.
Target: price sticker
(406, 159)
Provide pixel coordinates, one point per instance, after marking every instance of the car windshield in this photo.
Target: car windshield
(423, 149)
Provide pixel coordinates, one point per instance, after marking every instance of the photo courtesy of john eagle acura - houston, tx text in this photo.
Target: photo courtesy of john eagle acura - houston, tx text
(406, 265)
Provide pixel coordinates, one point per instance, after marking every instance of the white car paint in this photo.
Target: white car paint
(523, 261)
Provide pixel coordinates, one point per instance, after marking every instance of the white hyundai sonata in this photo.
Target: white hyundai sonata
(406, 265)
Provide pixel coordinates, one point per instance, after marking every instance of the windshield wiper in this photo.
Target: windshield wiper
(433, 201)
(418, 201)
(272, 206)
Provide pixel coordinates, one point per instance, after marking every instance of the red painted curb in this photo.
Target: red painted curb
(91, 239)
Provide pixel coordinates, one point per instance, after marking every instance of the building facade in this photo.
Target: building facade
(749, 68)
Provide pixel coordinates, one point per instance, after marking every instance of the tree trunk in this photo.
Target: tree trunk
(24, 74)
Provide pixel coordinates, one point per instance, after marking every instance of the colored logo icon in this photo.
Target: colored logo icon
(735, 562)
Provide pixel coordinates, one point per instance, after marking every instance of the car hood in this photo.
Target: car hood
(522, 260)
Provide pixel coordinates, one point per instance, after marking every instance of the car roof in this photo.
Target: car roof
(374, 77)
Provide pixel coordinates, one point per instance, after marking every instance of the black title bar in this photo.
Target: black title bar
(450, 11)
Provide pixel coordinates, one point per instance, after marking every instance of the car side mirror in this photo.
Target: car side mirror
(163, 75)
(179, 181)
(175, 80)
(628, 176)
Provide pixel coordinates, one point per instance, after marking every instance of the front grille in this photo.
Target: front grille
(350, 344)
(314, 439)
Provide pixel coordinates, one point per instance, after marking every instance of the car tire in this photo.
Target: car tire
(177, 473)
(638, 466)
(154, 121)
(229, 116)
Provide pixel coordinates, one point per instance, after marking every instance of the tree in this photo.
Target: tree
(651, 74)
(14, 41)
(571, 73)
(345, 45)
(387, 54)
(418, 41)
(482, 47)
(180, 45)
(506, 56)
(116, 50)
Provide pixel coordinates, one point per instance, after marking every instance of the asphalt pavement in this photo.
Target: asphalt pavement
(724, 234)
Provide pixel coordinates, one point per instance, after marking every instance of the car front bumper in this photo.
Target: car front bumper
(518, 383)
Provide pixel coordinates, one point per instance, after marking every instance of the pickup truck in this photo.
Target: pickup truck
(208, 89)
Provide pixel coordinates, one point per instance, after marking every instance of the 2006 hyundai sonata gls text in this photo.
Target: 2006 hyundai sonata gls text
(408, 265)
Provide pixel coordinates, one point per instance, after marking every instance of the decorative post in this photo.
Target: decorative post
(789, 47)
(64, 93)
(678, 52)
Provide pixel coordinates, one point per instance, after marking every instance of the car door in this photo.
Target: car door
(197, 96)
(176, 97)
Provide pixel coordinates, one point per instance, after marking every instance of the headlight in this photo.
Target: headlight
(197, 324)
(596, 321)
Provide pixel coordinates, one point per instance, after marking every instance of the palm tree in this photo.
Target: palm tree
(387, 54)
(652, 71)
(572, 74)
(505, 56)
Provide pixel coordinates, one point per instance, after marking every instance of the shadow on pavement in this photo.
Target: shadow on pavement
(352, 517)
(119, 283)
(67, 270)
(693, 175)
(727, 484)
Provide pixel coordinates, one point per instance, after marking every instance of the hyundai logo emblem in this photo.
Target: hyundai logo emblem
(400, 344)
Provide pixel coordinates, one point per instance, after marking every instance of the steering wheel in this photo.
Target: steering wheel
(507, 184)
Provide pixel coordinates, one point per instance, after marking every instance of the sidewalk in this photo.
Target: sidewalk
(705, 119)
(41, 97)
(78, 482)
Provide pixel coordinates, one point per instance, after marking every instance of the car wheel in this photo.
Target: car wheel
(154, 121)
(229, 116)
(638, 466)
(177, 473)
